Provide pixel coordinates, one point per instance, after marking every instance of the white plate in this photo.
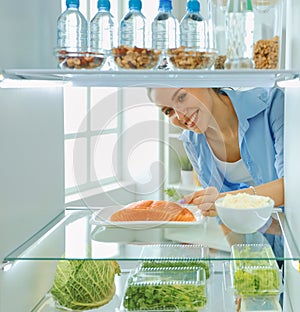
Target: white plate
(102, 217)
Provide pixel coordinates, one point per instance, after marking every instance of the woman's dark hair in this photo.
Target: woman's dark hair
(217, 90)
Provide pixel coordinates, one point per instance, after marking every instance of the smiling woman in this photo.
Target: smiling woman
(221, 141)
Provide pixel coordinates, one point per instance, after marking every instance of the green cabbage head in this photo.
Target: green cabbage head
(84, 284)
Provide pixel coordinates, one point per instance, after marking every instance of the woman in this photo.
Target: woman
(234, 140)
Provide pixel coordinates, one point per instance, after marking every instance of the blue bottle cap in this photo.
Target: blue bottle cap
(135, 5)
(193, 6)
(72, 3)
(103, 5)
(165, 4)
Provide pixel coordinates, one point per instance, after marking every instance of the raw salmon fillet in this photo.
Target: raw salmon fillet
(153, 210)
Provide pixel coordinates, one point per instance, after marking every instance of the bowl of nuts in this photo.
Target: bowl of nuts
(135, 58)
(185, 58)
(80, 60)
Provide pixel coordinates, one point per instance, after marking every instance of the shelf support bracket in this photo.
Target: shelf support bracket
(291, 247)
(6, 266)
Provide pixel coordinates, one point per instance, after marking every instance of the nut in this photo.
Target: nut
(188, 59)
(79, 60)
(266, 53)
(135, 58)
(219, 62)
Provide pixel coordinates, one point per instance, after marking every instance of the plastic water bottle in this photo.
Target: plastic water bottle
(72, 29)
(102, 33)
(193, 28)
(132, 26)
(165, 32)
(165, 28)
(102, 29)
(240, 35)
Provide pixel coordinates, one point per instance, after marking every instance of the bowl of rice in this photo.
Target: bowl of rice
(244, 213)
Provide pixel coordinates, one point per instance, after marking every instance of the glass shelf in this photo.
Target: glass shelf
(72, 236)
(145, 78)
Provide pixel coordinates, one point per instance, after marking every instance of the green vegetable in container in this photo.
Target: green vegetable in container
(177, 263)
(174, 297)
(255, 273)
(84, 284)
(259, 281)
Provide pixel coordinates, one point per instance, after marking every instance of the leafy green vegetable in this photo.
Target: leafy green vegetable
(255, 273)
(182, 297)
(84, 284)
(256, 282)
(177, 263)
(173, 194)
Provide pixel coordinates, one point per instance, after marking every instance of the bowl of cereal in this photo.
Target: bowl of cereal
(244, 213)
(135, 58)
(184, 58)
(79, 60)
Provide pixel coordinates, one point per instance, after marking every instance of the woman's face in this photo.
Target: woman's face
(187, 108)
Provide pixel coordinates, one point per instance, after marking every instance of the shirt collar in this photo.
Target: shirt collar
(249, 103)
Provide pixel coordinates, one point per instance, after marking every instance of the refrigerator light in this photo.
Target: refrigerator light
(6, 83)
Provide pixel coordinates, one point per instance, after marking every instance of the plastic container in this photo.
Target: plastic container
(193, 28)
(132, 26)
(269, 304)
(268, 16)
(102, 29)
(239, 33)
(166, 289)
(175, 252)
(194, 52)
(72, 29)
(219, 8)
(255, 272)
(151, 264)
(165, 32)
(170, 255)
(102, 33)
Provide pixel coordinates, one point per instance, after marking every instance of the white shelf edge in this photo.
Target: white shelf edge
(150, 78)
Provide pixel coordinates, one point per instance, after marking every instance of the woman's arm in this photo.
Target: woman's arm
(206, 198)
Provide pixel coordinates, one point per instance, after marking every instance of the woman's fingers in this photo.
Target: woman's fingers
(204, 200)
(208, 195)
(211, 212)
(206, 206)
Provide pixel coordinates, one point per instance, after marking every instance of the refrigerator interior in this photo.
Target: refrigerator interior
(32, 139)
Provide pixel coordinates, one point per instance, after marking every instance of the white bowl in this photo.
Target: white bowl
(245, 220)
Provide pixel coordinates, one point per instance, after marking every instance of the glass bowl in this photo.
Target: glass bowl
(135, 58)
(183, 58)
(79, 60)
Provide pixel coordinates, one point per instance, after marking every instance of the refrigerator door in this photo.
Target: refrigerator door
(32, 149)
(292, 149)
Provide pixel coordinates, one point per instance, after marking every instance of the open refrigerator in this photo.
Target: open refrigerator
(35, 227)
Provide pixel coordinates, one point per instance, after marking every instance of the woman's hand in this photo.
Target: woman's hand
(205, 200)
